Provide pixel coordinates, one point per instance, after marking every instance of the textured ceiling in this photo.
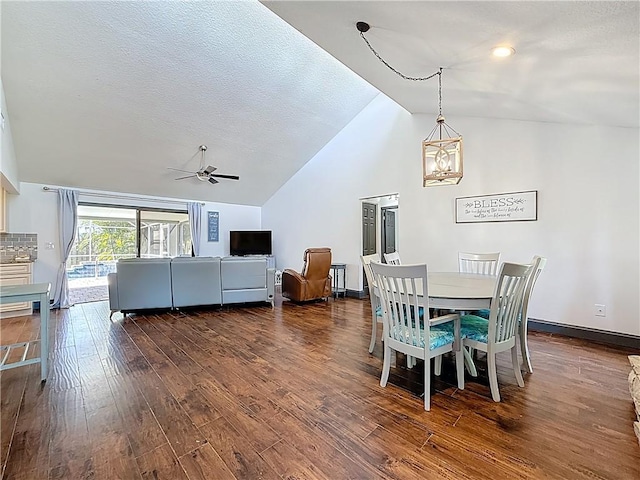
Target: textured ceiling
(106, 95)
(576, 62)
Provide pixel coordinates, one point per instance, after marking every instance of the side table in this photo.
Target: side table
(339, 274)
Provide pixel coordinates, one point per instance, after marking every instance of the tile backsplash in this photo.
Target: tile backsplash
(14, 245)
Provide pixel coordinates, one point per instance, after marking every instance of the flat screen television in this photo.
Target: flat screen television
(250, 242)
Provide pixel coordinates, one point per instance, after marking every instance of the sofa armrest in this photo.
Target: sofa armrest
(112, 281)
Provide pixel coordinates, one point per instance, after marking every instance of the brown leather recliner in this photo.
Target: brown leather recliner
(314, 282)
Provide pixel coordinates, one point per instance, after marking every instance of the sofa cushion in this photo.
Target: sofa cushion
(195, 281)
(242, 274)
(144, 283)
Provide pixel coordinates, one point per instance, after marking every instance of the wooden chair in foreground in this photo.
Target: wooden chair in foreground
(498, 334)
(407, 327)
(374, 296)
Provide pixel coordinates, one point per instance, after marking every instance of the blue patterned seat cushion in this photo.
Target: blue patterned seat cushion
(474, 327)
(484, 313)
(438, 336)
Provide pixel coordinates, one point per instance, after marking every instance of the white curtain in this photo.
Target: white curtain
(195, 221)
(67, 223)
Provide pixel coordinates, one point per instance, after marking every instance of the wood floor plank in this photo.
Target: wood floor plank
(70, 446)
(181, 387)
(161, 464)
(140, 424)
(30, 443)
(180, 431)
(291, 392)
(236, 451)
(204, 463)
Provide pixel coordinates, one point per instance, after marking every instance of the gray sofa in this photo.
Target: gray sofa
(158, 283)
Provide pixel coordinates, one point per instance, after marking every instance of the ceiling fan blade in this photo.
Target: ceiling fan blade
(220, 175)
(209, 170)
(213, 181)
(178, 170)
(182, 178)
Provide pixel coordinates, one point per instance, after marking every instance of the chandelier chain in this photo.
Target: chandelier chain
(400, 74)
(440, 91)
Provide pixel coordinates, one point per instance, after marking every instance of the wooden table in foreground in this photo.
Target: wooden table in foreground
(35, 292)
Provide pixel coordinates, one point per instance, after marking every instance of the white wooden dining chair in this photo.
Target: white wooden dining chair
(392, 258)
(407, 327)
(538, 265)
(374, 296)
(481, 263)
(498, 333)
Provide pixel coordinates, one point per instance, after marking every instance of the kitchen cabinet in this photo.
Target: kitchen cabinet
(16, 274)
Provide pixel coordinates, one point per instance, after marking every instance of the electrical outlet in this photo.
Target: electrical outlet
(601, 310)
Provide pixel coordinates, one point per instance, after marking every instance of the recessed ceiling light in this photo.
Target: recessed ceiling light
(502, 51)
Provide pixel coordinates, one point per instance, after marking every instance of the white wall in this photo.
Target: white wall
(36, 211)
(8, 161)
(588, 214)
(232, 217)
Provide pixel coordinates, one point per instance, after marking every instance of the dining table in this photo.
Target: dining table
(460, 291)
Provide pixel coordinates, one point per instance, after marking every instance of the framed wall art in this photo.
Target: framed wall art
(502, 207)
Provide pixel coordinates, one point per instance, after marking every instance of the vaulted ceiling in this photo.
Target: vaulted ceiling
(107, 95)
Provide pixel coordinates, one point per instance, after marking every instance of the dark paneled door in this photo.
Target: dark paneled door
(388, 230)
(369, 226)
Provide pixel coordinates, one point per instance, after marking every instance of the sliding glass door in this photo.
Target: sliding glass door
(105, 234)
(164, 234)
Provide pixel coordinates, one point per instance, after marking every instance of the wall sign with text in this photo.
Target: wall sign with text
(503, 207)
(213, 226)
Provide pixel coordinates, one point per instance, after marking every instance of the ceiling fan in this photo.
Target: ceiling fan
(204, 174)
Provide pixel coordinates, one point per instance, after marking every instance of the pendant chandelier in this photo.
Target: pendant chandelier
(442, 149)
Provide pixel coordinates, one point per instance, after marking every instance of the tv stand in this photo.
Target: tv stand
(271, 260)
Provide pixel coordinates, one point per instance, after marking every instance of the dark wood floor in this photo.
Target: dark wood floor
(251, 392)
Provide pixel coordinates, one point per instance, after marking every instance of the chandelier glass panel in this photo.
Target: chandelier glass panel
(442, 149)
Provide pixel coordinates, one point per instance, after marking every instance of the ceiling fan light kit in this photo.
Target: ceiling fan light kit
(442, 149)
(205, 174)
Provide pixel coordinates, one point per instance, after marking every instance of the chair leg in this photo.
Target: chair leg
(460, 367)
(524, 347)
(386, 365)
(437, 365)
(468, 361)
(516, 365)
(493, 376)
(427, 382)
(411, 361)
(374, 332)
